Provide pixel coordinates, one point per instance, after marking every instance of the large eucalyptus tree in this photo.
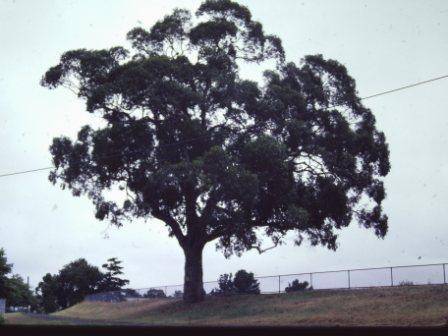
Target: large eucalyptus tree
(211, 154)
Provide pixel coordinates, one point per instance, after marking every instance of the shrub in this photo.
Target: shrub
(130, 293)
(225, 286)
(215, 292)
(245, 283)
(155, 294)
(406, 283)
(225, 283)
(178, 294)
(297, 286)
(2, 320)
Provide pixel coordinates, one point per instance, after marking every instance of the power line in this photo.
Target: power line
(405, 87)
(26, 171)
(187, 141)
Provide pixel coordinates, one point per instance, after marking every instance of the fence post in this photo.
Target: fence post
(311, 279)
(279, 290)
(348, 273)
(391, 277)
(444, 275)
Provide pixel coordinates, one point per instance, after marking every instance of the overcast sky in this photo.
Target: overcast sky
(384, 45)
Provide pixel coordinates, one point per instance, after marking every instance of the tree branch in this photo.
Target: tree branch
(209, 205)
(190, 207)
(212, 236)
(172, 223)
(260, 250)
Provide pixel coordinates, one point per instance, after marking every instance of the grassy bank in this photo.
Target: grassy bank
(401, 306)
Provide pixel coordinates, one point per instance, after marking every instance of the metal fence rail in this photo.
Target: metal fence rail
(339, 279)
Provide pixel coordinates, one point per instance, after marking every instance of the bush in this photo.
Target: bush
(130, 293)
(2, 320)
(297, 286)
(406, 283)
(155, 294)
(225, 283)
(178, 294)
(225, 286)
(245, 283)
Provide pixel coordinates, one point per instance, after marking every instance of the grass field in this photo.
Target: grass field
(400, 306)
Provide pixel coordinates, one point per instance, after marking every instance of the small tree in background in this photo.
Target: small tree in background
(245, 283)
(70, 286)
(155, 294)
(178, 294)
(47, 292)
(19, 293)
(407, 283)
(131, 293)
(5, 269)
(225, 286)
(297, 286)
(78, 279)
(13, 288)
(111, 281)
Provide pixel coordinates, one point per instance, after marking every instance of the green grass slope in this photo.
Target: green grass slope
(400, 306)
(114, 311)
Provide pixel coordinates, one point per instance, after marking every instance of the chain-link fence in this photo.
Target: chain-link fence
(408, 275)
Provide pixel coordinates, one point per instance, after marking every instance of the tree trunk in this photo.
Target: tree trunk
(193, 285)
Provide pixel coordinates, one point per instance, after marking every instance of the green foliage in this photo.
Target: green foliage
(225, 286)
(245, 283)
(111, 281)
(73, 282)
(282, 143)
(48, 291)
(211, 154)
(2, 319)
(297, 286)
(19, 293)
(155, 294)
(178, 294)
(131, 293)
(12, 287)
(5, 269)
(225, 283)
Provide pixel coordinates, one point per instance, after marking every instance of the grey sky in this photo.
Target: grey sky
(384, 44)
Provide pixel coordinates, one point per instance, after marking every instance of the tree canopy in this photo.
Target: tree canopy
(243, 283)
(70, 286)
(214, 155)
(48, 291)
(20, 293)
(12, 286)
(75, 281)
(5, 270)
(111, 280)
